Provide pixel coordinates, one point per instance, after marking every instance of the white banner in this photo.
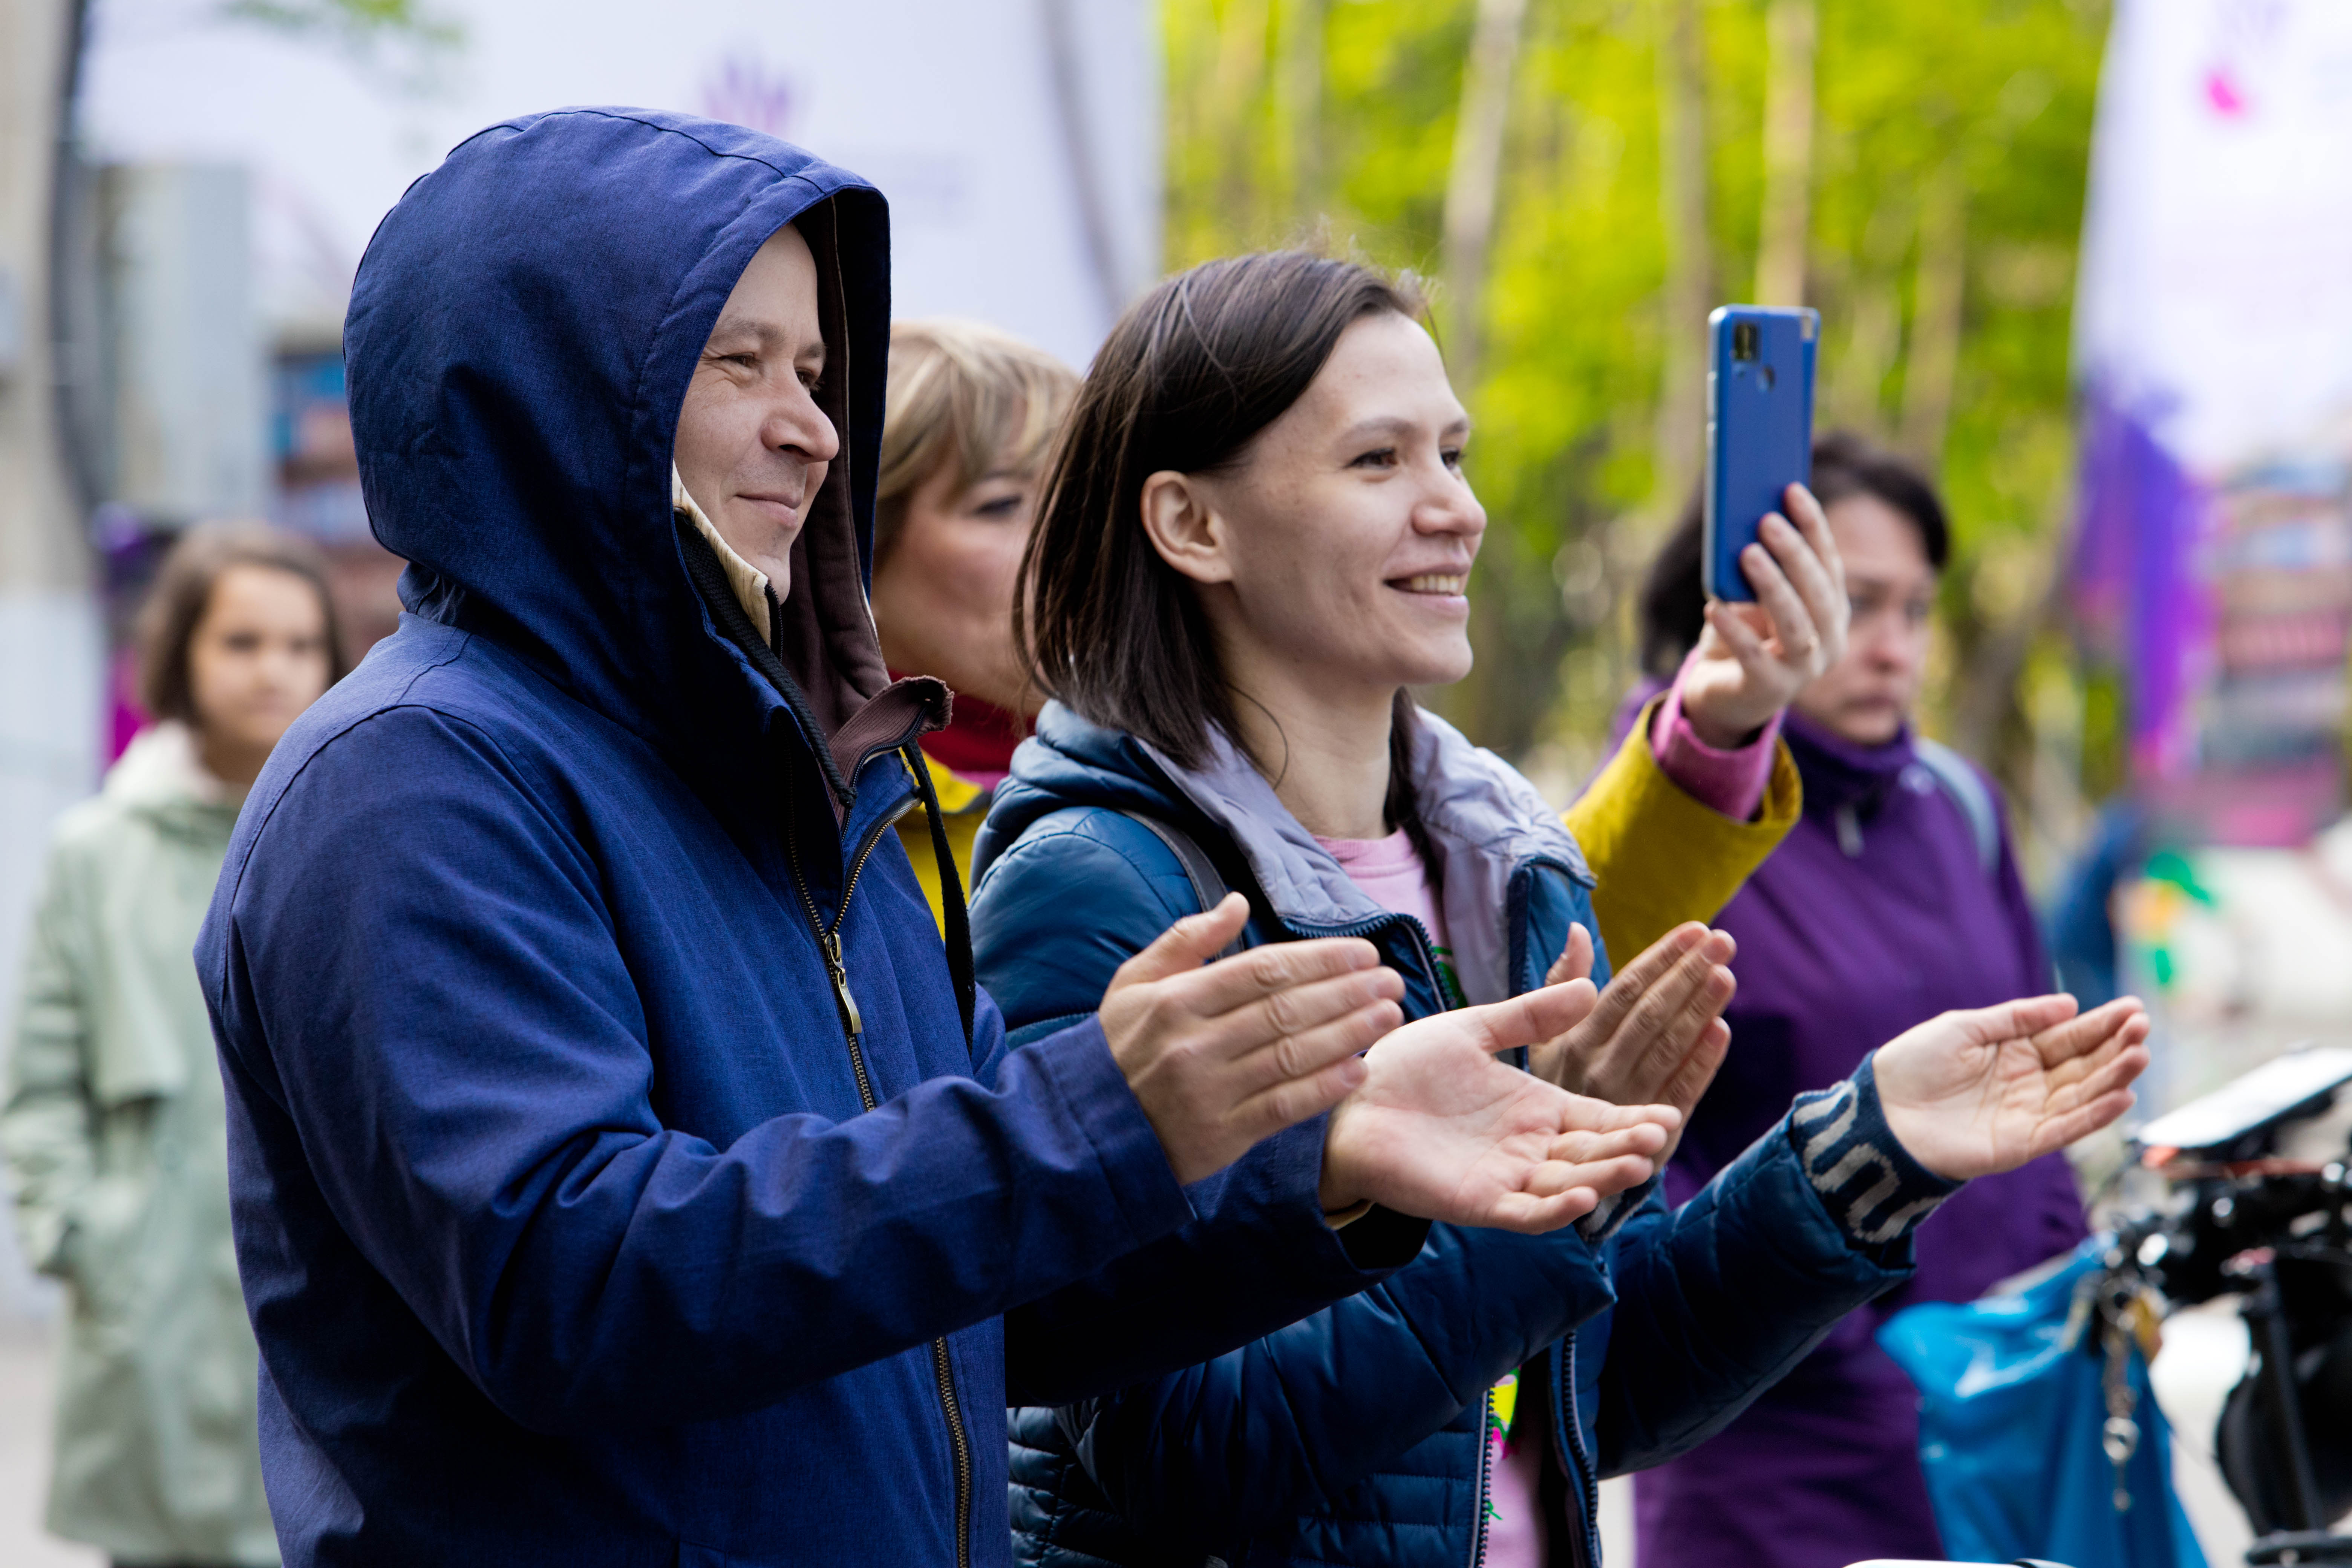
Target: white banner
(1017, 140)
(2215, 301)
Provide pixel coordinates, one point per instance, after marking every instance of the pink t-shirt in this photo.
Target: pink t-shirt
(1391, 873)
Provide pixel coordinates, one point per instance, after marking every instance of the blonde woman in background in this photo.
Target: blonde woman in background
(971, 413)
(113, 1123)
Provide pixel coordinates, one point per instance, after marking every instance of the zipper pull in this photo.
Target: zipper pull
(841, 981)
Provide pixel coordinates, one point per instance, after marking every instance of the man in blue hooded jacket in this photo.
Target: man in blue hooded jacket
(623, 1170)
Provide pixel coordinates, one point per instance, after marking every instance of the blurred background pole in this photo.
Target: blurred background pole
(51, 637)
(43, 548)
(1791, 27)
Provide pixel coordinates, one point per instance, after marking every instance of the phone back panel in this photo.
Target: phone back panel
(1759, 428)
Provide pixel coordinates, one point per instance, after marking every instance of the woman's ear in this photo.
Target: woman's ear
(1184, 528)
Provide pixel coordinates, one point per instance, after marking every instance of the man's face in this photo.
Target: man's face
(752, 446)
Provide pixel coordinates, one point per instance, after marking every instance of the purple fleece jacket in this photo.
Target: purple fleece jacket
(1838, 953)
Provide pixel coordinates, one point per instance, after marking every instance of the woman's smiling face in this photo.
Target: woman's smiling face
(1340, 544)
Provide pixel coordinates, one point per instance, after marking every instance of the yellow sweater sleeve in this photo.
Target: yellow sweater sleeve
(1662, 857)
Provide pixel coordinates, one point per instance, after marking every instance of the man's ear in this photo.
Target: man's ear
(1184, 527)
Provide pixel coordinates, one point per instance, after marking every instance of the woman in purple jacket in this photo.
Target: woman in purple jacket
(1895, 897)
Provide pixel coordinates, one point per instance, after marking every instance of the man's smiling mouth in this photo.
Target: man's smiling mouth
(1431, 582)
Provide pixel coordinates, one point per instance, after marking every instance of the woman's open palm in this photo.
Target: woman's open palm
(1972, 1093)
(1442, 1130)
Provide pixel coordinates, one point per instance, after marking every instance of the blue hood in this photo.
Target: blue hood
(515, 398)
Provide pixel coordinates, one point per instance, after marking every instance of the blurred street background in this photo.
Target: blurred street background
(2088, 261)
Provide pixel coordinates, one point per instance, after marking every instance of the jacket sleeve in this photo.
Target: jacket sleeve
(1660, 855)
(422, 978)
(1211, 1454)
(45, 1122)
(1080, 893)
(1075, 898)
(1720, 1298)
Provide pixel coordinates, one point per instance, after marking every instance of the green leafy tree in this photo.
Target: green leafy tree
(1924, 175)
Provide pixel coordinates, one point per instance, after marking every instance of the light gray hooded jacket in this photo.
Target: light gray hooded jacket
(116, 1144)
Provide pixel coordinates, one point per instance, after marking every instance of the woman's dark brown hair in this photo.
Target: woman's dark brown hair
(1674, 601)
(1188, 378)
(175, 605)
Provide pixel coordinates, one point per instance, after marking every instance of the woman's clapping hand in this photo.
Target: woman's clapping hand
(1973, 1093)
(1443, 1130)
(1657, 1035)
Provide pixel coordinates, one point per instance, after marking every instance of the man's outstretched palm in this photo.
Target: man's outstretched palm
(1442, 1130)
(1973, 1093)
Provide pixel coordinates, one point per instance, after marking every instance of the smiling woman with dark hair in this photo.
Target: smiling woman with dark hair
(1257, 535)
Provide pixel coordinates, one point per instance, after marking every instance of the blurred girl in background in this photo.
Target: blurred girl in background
(1895, 897)
(113, 1122)
(969, 416)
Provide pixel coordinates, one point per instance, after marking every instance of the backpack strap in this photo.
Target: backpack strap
(957, 918)
(1209, 885)
(1967, 790)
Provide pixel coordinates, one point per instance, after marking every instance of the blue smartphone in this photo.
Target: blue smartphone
(1760, 429)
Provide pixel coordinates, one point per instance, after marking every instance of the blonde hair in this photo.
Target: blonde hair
(970, 399)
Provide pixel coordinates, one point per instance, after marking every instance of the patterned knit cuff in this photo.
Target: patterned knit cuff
(1871, 1185)
(1608, 1217)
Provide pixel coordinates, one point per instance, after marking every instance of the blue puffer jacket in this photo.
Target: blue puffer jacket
(1357, 1435)
(617, 1178)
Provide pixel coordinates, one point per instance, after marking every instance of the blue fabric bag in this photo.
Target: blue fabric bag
(2011, 1414)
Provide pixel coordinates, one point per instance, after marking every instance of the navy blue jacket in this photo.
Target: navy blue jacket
(1357, 1435)
(579, 1222)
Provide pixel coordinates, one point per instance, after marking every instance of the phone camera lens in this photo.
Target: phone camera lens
(1744, 340)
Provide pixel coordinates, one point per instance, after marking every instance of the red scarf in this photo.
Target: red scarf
(978, 741)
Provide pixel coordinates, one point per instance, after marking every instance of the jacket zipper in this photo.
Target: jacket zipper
(853, 1026)
(1485, 1478)
(1589, 1482)
(1428, 951)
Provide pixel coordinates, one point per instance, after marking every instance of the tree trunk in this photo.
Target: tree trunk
(1855, 389)
(1233, 98)
(1789, 32)
(1298, 107)
(1933, 364)
(1690, 273)
(1473, 184)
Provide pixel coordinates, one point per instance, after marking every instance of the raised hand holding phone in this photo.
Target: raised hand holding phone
(1753, 659)
(1777, 611)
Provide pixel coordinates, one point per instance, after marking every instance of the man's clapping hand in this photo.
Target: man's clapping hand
(1221, 1055)
(1426, 1122)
